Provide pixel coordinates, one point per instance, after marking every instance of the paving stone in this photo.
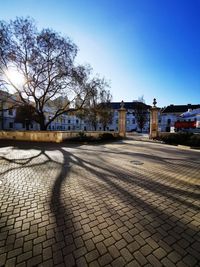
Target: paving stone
(174, 257)
(94, 264)
(47, 253)
(14, 253)
(105, 259)
(34, 261)
(102, 211)
(89, 244)
(114, 252)
(139, 257)
(24, 256)
(121, 244)
(159, 253)
(81, 262)
(146, 250)
(119, 262)
(92, 255)
(101, 248)
(166, 262)
(126, 254)
(154, 261)
(69, 260)
(190, 261)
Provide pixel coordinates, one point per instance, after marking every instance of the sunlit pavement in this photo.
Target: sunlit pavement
(130, 203)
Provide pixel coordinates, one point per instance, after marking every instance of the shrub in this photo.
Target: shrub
(189, 139)
(195, 140)
(107, 136)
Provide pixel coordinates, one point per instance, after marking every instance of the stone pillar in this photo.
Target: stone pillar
(122, 120)
(153, 121)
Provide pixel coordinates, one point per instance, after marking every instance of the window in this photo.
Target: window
(116, 121)
(76, 121)
(31, 126)
(133, 121)
(69, 121)
(10, 112)
(169, 121)
(10, 125)
(69, 128)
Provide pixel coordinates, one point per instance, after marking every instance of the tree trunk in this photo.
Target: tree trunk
(43, 126)
(27, 126)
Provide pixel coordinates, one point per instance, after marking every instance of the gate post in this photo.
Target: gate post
(154, 121)
(122, 120)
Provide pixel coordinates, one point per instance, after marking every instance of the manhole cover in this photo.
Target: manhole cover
(136, 162)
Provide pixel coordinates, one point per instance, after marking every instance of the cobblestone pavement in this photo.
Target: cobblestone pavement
(130, 203)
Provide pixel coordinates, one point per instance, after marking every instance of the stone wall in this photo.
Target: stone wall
(47, 136)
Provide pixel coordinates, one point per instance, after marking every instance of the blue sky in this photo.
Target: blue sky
(144, 47)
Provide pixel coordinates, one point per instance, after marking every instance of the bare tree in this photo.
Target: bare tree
(26, 114)
(95, 109)
(45, 61)
(141, 112)
(105, 110)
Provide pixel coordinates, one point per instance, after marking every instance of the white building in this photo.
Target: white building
(170, 114)
(70, 122)
(189, 121)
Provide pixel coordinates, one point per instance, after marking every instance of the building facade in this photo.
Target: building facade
(169, 115)
(71, 122)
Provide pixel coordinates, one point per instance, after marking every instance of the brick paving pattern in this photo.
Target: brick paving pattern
(122, 204)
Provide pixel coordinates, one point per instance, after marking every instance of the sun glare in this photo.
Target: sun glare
(14, 77)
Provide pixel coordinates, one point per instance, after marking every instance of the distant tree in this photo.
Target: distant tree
(105, 109)
(45, 61)
(26, 114)
(96, 108)
(141, 112)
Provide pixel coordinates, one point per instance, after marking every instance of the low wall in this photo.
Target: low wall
(48, 136)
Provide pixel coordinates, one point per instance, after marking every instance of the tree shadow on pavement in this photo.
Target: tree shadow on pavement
(151, 212)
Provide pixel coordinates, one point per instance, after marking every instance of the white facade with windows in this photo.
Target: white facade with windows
(171, 114)
(71, 122)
